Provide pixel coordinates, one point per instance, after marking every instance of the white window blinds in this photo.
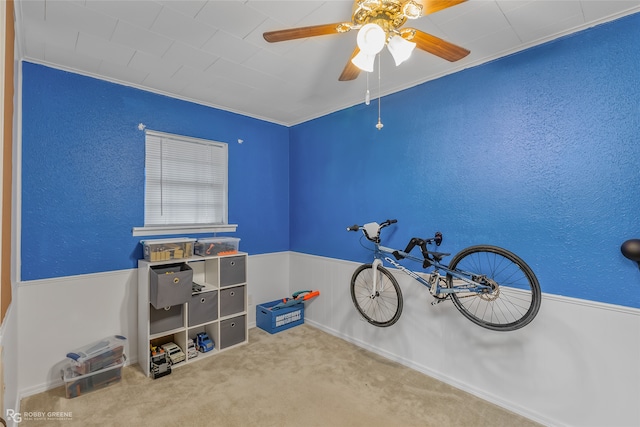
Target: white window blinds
(185, 180)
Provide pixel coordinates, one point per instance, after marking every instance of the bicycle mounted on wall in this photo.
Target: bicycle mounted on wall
(489, 285)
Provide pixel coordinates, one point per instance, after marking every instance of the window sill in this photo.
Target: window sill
(164, 230)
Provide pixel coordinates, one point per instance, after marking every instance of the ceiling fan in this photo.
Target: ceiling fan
(380, 23)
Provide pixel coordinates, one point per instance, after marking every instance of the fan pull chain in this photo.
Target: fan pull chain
(367, 95)
(379, 125)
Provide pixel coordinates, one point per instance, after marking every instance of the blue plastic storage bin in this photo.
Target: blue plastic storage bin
(274, 321)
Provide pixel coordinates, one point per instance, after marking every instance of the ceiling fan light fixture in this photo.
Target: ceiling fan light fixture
(364, 61)
(400, 49)
(371, 39)
(412, 10)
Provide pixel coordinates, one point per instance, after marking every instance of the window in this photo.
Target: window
(185, 185)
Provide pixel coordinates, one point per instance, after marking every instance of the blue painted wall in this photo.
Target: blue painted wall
(83, 171)
(538, 152)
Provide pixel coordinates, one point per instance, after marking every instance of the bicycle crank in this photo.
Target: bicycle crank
(437, 282)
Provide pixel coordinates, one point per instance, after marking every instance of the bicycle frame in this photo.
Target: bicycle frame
(473, 286)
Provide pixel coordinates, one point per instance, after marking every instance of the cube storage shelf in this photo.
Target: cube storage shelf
(220, 309)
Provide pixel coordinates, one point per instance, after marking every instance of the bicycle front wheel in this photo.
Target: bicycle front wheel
(381, 307)
(515, 297)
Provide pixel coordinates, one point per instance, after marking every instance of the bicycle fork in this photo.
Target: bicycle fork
(374, 265)
(377, 262)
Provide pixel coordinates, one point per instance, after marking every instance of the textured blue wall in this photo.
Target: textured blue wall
(83, 171)
(538, 152)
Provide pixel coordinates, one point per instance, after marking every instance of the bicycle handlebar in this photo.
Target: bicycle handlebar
(437, 239)
(356, 227)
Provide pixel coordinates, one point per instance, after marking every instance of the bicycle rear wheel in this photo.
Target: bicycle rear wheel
(515, 296)
(383, 307)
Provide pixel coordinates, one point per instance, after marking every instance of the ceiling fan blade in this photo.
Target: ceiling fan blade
(350, 72)
(301, 32)
(433, 6)
(437, 46)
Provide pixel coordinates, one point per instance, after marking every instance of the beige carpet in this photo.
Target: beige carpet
(298, 377)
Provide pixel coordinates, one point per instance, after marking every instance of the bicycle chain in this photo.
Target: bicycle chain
(487, 297)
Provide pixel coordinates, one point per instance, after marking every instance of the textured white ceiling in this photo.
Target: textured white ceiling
(213, 53)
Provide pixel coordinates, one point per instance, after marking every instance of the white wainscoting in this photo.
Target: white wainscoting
(58, 315)
(61, 314)
(267, 280)
(576, 364)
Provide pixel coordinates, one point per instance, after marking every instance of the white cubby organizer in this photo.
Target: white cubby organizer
(220, 309)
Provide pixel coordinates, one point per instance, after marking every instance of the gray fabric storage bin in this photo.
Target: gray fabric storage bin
(232, 270)
(203, 308)
(231, 300)
(170, 284)
(233, 331)
(165, 319)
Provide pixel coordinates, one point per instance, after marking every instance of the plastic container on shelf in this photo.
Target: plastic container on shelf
(217, 246)
(168, 249)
